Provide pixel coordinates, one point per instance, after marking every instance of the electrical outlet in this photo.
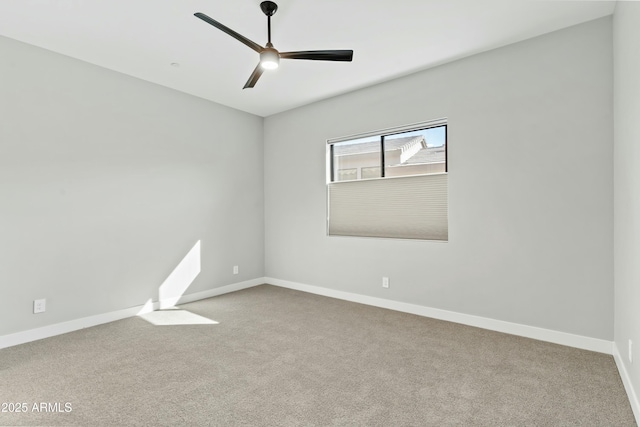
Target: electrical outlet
(630, 351)
(39, 306)
(385, 282)
(235, 269)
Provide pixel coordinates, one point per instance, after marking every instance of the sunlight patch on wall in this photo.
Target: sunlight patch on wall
(147, 307)
(180, 278)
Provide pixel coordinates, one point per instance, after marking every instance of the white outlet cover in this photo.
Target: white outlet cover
(39, 306)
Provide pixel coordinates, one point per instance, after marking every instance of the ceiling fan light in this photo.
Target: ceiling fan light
(269, 59)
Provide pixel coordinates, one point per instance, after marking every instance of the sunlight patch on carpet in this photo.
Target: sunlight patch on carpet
(175, 316)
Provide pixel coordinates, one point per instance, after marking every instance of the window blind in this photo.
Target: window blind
(408, 207)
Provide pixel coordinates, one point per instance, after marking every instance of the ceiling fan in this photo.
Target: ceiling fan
(269, 56)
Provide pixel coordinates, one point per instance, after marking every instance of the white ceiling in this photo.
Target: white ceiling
(142, 38)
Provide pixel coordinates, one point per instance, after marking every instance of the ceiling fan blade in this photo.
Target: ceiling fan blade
(253, 79)
(253, 45)
(320, 55)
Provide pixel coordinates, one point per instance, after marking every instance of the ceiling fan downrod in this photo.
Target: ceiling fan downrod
(269, 8)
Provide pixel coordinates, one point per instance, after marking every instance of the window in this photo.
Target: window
(414, 152)
(390, 183)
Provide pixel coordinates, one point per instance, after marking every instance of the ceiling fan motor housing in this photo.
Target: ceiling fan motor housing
(269, 58)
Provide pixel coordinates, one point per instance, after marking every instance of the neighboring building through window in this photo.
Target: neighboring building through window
(390, 183)
(417, 152)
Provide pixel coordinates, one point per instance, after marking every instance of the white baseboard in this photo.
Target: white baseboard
(626, 380)
(563, 338)
(86, 322)
(197, 296)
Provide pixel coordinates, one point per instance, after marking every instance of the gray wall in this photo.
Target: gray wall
(107, 182)
(530, 240)
(627, 185)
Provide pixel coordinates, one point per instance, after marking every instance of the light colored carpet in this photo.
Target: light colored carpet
(278, 357)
